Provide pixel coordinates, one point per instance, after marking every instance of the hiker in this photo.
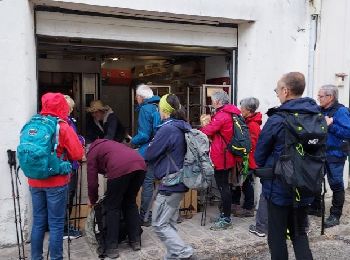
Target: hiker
(167, 157)
(125, 171)
(282, 217)
(49, 195)
(220, 131)
(104, 123)
(253, 120)
(148, 120)
(338, 121)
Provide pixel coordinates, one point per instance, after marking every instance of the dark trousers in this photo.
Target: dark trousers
(248, 191)
(221, 178)
(121, 196)
(281, 218)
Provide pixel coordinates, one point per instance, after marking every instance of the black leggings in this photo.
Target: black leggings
(221, 178)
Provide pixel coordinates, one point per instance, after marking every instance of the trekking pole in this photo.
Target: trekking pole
(323, 206)
(204, 213)
(80, 185)
(11, 163)
(76, 201)
(68, 225)
(19, 205)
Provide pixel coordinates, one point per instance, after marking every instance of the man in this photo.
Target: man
(124, 179)
(338, 121)
(281, 215)
(148, 120)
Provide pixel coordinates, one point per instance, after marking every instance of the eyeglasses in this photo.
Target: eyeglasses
(322, 96)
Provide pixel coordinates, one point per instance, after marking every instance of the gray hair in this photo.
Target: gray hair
(144, 91)
(330, 90)
(250, 103)
(221, 96)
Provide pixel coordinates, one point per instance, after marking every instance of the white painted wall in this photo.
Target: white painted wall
(18, 97)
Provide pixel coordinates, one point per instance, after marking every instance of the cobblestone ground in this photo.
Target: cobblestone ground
(233, 244)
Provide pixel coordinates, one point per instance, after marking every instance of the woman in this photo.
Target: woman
(220, 131)
(167, 156)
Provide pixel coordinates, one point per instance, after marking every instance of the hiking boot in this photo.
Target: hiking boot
(192, 257)
(216, 219)
(252, 229)
(315, 212)
(244, 213)
(136, 246)
(112, 253)
(331, 221)
(221, 224)
(235, 208)
(73, 233)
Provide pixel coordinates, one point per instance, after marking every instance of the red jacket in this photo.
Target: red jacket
(112, 159)
(55, 104)
(253, 122)
(220, 131)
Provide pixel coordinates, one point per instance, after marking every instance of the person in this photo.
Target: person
(253, 120)
(220, 131)
(104, 123)
(167, 157)
(281, 214)
(69, 230)
(148, 119)
(48, 195)
(338, 121)
(125, 171)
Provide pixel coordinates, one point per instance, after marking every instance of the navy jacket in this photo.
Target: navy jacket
(337, 132)
(271, 144)
(148, 120)
(169, 139)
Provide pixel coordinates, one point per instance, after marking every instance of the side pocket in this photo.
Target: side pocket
(284, 170)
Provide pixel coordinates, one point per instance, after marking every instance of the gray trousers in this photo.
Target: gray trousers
(164, 215)
(262, 215)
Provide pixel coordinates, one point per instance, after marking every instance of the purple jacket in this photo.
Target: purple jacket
(112, 159)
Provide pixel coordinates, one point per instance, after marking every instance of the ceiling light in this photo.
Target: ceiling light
(115, 59)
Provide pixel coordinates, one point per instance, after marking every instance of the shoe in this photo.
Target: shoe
(216, 219)
(192, 257)
(244, 213)
(331, 221)
(136, 246)
(221, 224)
(73, 233)
(315, 212)
(235, 208)
(112, 253)
(252, 229)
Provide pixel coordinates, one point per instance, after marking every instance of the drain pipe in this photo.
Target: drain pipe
(312, 51)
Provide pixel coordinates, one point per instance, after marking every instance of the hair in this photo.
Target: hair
(144, 91)
(70, 102)
(250, 103)
(221, 96)
(295, 82)
(330, 90)
(179, 112)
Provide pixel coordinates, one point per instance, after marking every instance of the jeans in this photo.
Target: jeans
(221, 178)
(164, 217)
(147, 192)
(48, 208)
(262, 215)
(121, 195)
(280, 219)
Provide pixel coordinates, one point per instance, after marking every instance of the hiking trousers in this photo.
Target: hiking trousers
(281, 219)
(221, 178)
(164, 216)
(262, 215)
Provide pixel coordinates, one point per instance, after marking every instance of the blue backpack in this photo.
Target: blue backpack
(37, 151)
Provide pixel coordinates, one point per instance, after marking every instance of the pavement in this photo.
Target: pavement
(234, 244)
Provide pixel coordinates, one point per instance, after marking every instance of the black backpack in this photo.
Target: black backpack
(302, 164)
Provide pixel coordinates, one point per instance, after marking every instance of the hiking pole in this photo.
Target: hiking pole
(80, 185)
(68, 224)
(323, 205)
(204, 213)
(11, 163)
(76, 201)
(19, 204)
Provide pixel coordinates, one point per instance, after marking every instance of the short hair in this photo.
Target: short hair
(250, 103)
(330, 90)
(295, 82)
(144, 91)
(70, 102)
(221, 96)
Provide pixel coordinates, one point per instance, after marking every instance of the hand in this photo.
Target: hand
(329, 120)
(205, 119)
(89, 204)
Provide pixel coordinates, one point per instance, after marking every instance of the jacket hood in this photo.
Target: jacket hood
(306, 104)
(181, 124)
(154, 99)
(54, 104)
(256, 117)
(230, 109)
(96, 143)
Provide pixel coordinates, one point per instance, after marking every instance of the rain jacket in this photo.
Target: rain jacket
(169, 141)
(220, 131)
(111, 159)
(148, 120)
(253, 122)
(271, 144)
(54, 104)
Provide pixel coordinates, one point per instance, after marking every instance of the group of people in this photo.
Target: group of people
(158, 149)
